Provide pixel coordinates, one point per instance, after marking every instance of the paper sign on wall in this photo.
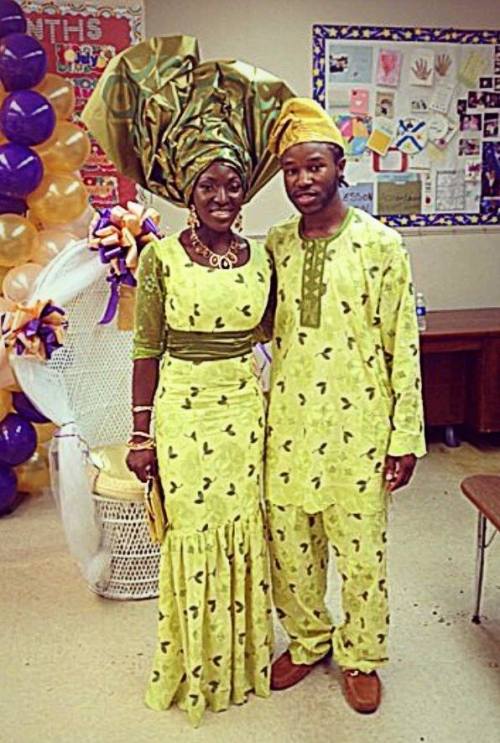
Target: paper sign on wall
(450, 190)
(399, 194)
(441, 98)
(359, 195)
(350, 64)
(472, 67)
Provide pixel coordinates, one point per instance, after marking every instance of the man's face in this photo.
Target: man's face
(311, 176)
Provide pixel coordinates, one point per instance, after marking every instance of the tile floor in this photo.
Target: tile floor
(73, 666)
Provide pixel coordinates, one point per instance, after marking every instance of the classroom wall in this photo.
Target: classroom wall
(455, 269)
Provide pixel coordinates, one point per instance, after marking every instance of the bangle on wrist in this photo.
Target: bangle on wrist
(141, 408)
(141, 434)
(141, 446)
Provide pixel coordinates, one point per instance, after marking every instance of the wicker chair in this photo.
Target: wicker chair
(92, 374)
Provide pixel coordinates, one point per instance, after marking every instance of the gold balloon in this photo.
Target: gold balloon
(19, 281)
(5, 403)
(80, 226)
(3, 271)
(33, 476)
(5, 304)
(60, 93)
(14, 387)
(58, 199)
(44, 431)
(51, 243)
(18, 239)
(66, 150)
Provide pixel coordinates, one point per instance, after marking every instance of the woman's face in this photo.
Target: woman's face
(218, 196)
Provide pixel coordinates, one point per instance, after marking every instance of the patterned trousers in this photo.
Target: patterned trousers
(298, 544)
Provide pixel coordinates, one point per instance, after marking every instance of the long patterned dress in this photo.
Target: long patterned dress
(215, 628)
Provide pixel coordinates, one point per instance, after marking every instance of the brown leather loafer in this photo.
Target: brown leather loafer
(285, 673)
(363, 691)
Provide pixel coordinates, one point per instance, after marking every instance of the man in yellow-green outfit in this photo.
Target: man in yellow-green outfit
(345, 417)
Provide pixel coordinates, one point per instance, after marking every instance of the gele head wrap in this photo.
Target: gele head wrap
(162, 116)
(303, 120)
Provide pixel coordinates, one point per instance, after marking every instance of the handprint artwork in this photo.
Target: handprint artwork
(422, 67)
(443, 64)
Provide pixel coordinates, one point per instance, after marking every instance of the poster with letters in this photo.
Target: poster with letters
(80, 38)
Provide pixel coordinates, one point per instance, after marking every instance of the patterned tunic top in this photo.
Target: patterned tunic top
(346, 387)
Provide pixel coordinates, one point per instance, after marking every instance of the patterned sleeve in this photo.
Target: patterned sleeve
(401, 346)
(149, 320)
(264, 331)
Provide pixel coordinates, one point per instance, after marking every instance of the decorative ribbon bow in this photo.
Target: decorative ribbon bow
(119, 234)
(36, 329)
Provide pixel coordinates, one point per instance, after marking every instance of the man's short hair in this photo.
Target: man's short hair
(337, 152)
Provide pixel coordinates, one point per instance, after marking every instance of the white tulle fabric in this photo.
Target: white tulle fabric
(85, 390)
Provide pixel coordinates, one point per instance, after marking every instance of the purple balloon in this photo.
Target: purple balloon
(26, 409)
(27, 117)
(21, 170)
(23, 62)
(17, 440)
(8, 489)
(12, 205)
(12, 20)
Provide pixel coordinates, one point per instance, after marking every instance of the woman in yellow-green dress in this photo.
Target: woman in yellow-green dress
(197, 134)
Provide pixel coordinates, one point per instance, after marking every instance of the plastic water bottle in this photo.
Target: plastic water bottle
(421, 312)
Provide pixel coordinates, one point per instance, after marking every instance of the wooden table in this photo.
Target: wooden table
(460, 354)
(483, 491)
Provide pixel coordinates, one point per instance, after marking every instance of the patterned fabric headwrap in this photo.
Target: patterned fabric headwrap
(162, 117)
(303, 120)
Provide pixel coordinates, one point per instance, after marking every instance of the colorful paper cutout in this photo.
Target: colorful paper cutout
(382, 135)
(412, 135)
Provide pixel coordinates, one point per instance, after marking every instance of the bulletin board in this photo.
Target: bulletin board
(419, 109)
(80, 38)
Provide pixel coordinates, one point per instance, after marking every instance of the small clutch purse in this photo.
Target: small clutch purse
(155, 510)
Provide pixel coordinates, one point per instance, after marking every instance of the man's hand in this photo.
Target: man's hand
(398, 471)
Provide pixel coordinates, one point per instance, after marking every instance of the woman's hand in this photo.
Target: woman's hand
(142, 462)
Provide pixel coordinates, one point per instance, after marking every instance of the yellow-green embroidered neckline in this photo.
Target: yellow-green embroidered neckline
(313, 270)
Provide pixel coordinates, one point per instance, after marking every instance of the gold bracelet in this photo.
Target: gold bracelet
(143, 434)
(144, 446)
(141, 408)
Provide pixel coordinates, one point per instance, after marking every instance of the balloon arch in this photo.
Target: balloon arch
(43, 208)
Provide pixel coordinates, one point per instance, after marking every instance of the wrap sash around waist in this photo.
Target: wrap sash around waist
(196, 346)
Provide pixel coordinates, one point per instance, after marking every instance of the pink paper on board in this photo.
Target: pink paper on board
(360, 100)
(389, 67)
